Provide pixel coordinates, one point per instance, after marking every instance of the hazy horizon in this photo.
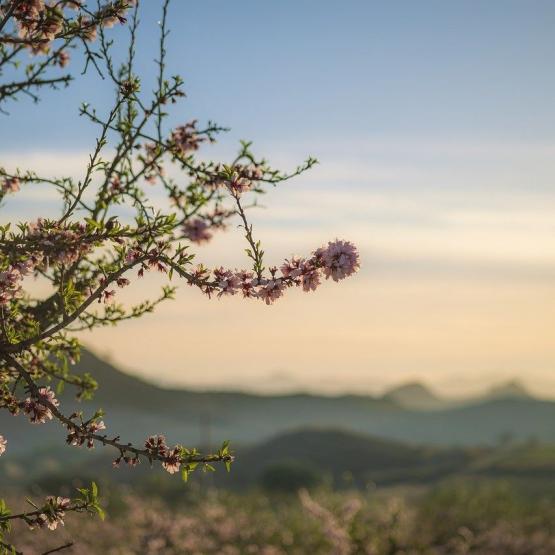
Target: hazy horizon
(286, 383)
(435, 128)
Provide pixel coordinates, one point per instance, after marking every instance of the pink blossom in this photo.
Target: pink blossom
(97, 426)
(109, 296)
(310, 278)
(79, 436)
(340, 259)
(115, 184)
(29, 9)
(26, 267)
(10, 286)
(156, 446)
(239, 185)
(63, 58)
(132, 256)
(55, 511)
(271, 291)
(132, 461)
(186, 138)
(228, 282)
(88, 30)
(155, 263)
(50, 27)
(68, 240)
(47, 395)
(11, 185)
(292, 268)
(173, 461)
(247, 283)
(197, 231)
(37, 409)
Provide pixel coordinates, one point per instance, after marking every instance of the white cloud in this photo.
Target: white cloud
(456, 278)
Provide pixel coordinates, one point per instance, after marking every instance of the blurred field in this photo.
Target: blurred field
(456, 517)
(403, 474)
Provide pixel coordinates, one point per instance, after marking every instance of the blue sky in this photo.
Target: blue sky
(290, 70)
(434, 123)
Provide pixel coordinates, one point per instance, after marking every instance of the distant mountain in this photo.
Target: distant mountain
(135, 409)
(509, 390)
(414, 395)
(417, 396)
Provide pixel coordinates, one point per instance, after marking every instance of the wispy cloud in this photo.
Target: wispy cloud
(457, 281)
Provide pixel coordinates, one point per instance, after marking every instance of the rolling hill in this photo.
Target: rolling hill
(340, 458)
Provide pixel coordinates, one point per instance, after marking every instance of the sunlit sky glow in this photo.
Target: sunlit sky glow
(434, 123)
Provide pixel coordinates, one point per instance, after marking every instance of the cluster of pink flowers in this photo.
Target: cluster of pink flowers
(197, 231)
(10, 402)
(10, 285)
(242, 178)
(29, 9)
(63, 58)
(53, 513)
(227, 281)
(3, 444)
(108, 295)
(37, 409)
(185, 138)
(153, 261)
(156, 447)
(11, 278)
(115, 185)
(61, 245)
(89, 31)
(112, 15)
(80, 436)
(239, 185)
(200, 229)
(10, 185)
(337, 261)
(250, 172)
(39, 23)
(303, 272)
(122, 282)
(132, 255)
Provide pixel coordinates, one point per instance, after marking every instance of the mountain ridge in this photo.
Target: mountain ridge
(504, 389)
(135, 409)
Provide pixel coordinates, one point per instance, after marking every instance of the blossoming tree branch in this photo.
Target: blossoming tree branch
(89, 252)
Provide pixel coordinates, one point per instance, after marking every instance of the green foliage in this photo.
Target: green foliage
(289, 477)
(4, 512)
(89, 499)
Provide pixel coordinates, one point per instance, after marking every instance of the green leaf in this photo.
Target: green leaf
(60, 387)
(99, 511)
